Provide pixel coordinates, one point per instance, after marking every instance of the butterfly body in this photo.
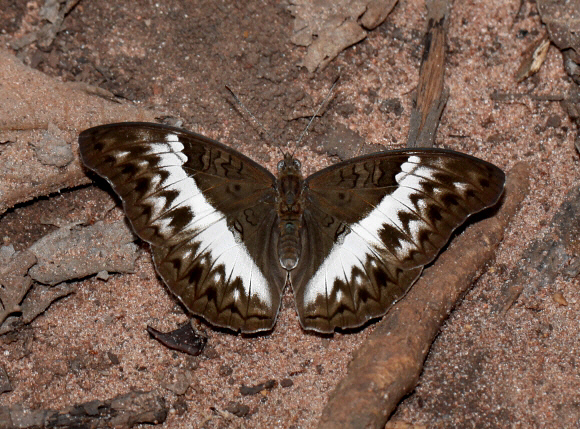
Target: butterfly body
(227, 235)
(290, 185)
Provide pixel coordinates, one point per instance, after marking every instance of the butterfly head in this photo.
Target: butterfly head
(289, 166)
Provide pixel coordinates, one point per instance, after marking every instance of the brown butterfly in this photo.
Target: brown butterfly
(227, 235)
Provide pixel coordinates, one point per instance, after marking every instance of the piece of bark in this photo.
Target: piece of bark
(556, 253)
(329, 44)
(562, 19)
(430, 96)
(40, 119)
(37, 300)
(319, 18)
(388, 364)
(376, 13)
(327, 28)
(71, 253)
(41, 297)
(123, 411)
(14, 280)
(5, 385)
(184, 339)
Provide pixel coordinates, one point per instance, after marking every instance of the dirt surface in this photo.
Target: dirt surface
(517, 369)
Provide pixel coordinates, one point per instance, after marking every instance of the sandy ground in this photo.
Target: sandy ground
(516, 370)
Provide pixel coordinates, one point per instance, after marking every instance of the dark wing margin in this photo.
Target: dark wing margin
(372, 223)
(207, 212)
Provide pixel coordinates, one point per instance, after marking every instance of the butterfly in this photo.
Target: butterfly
(227, 235)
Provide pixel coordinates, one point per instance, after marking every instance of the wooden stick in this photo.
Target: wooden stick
(431, 95)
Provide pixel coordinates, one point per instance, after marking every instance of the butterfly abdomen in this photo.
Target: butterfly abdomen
(290, 211)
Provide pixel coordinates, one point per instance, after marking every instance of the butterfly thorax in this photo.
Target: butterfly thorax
(290, 209)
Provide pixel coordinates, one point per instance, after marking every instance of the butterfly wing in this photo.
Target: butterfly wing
(206, 210)
(372, 223)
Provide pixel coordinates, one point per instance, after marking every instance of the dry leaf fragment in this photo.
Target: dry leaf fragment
(377, 11)
(327, 28)
(533, 58)
(330, 43)
(71, 253)
(184, 339)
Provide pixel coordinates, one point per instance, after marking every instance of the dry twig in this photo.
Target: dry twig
(431, 95)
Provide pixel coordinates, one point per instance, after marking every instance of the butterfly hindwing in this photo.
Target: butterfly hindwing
(205, 209)
(372, 223)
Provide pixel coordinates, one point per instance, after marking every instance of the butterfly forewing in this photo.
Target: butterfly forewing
(205, 209)
(372, 223)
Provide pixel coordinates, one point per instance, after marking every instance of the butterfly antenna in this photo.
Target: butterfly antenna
(264, 130)
(316, 114)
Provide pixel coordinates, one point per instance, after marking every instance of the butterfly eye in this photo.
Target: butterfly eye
(297, 163)
(281, 165)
